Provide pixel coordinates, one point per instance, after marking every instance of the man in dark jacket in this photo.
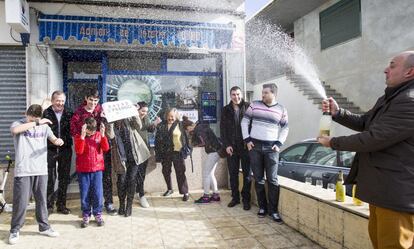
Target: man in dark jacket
(62, 155)
(231, 135)
(383, 168)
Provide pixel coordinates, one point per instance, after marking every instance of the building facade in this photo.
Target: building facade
(183, 54)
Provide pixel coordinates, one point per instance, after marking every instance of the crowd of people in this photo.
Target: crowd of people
(43, 143)
(251, 135)
(44, 138)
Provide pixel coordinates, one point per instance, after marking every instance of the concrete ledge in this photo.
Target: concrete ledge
(314, 212)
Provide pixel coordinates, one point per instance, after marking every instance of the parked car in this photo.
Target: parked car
(310, 159)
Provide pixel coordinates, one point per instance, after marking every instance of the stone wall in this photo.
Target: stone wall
(314, 212)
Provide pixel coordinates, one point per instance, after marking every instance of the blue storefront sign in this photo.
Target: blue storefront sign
(139, 32)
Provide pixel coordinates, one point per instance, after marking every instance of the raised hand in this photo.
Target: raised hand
(102, 129)
(330, 105)
(157, 121)
(83, 131)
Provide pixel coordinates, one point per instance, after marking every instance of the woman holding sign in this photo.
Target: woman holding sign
(171, 144)
(128, 151)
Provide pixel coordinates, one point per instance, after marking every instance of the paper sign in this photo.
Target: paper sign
(117, 110)
(191, 114)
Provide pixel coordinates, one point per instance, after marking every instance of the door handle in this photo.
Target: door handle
(292, 171)
(325, 175)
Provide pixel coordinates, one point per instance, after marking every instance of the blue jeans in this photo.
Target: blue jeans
(264, 159)
(91, 192)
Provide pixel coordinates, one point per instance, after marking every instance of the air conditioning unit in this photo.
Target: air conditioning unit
(17, 15)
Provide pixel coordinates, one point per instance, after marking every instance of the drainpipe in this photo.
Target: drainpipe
(225, 79)
(244, 73)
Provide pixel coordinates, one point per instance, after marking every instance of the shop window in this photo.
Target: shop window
(197, 97)
(207, 64)
(340, 23)
(84, 70)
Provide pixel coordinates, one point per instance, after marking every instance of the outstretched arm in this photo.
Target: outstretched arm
(26, 126)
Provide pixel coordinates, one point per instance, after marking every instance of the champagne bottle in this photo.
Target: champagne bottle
(356, 201)
(325, 124)
(340, 188)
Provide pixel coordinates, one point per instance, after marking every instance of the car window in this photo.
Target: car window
(329, 159)
(294, 153)
(346, 158)
(322, 155)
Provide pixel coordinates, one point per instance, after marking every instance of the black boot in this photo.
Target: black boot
(121, 210)
(128, 209)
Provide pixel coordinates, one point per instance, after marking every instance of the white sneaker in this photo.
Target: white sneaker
(144, 202)
(13, 238)
(50, 232)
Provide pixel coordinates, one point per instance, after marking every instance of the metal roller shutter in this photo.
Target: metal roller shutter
(12, 94)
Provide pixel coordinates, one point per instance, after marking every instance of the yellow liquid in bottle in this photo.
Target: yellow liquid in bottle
(340, 192)
(325, 125)
(356, 201)
(324, 132)
(340, 188)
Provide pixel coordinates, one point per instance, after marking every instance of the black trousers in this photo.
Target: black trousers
(142, 169)
(61, 171)
(233, 163)
(179, 166)
(107, 180)
(126, 183)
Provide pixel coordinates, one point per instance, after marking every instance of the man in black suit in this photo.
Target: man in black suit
(60, 117)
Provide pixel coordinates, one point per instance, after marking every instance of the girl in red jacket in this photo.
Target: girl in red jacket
(90, 146)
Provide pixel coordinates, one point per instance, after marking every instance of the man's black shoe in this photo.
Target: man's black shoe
(168, 193)
(276, 217)
(246, 206)
(261, 213)
(121, 211)
(111, 210)
(233, 203)
(63, 210)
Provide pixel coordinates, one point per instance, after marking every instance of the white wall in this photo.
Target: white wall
(355, 67)
(5, 38)
(55, 71)
(37, 74)
(235, 73)
(303, 115)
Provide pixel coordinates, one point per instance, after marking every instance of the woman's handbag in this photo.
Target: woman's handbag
(186, 151)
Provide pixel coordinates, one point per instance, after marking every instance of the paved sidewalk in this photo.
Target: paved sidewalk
(168, 223)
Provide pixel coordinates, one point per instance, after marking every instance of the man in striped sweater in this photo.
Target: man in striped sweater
(265, 128)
